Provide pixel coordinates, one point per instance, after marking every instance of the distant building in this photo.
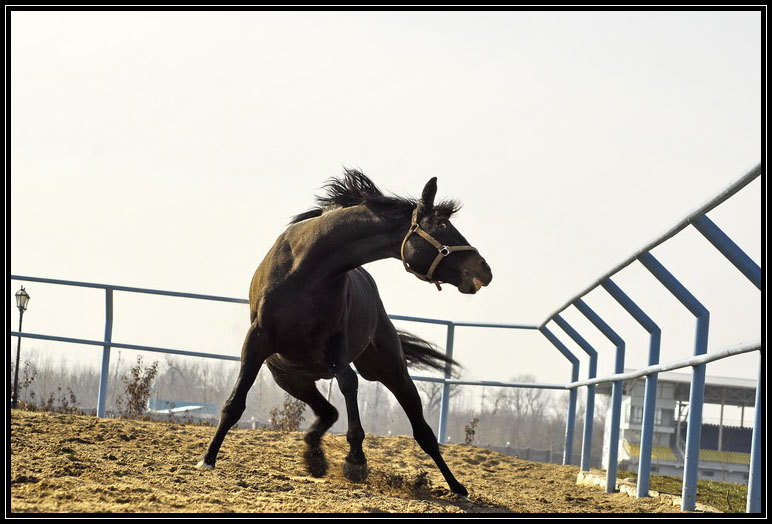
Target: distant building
(724, 450)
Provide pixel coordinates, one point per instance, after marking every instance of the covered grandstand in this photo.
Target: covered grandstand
(724, 448)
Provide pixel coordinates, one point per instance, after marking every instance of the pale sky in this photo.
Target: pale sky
(169, 150)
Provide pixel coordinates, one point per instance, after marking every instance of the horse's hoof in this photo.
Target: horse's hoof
(460, 491)
(355, 472)
(315, 461)
(204, 466)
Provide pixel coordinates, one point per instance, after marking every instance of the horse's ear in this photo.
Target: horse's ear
(427, 196)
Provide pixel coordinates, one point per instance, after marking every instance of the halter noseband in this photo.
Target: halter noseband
(442, 249)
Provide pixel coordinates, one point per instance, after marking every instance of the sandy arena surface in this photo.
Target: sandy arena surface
(73, 463)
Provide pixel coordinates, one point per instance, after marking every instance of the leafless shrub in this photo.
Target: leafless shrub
(137, 388)
(66, 402)
(470, 429)
(28, 374)
(289, 417)
(61, 402)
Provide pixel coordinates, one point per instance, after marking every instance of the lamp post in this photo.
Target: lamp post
(22, 298)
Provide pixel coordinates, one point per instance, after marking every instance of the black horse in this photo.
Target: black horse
(314, 310)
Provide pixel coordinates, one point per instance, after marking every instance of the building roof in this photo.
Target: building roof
(726, 390)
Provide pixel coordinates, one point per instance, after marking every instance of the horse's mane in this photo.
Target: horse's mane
(355, 188)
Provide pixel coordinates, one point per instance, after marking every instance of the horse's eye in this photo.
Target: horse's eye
(442, 226)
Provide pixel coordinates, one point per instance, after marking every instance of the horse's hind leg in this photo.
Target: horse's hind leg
(407, 395)
(387, 365)
(253, 353)
(304, 388)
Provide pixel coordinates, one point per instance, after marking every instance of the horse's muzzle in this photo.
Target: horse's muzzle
(473, 281)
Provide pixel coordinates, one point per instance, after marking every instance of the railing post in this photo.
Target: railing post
(650, 390)
(752, 272)
(697, 390)
(589, 413)
(729, 249)
(105, 371)
(616, 391)
(753, 504)
(445, 399)
(568, 446)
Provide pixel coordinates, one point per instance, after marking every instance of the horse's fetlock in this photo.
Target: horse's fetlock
(356, 456)
(313, 438)
(355, 436)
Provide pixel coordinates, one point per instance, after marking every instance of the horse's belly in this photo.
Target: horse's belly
(304, 327)
(288, 364)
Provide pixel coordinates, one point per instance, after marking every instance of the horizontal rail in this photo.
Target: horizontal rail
(155, 349)
(130, 289)
(693, 361)
(420, 319)
(658, 368)
(704, 208)
(489, 325)
(492, 383)
(104, 343)
(245, 301)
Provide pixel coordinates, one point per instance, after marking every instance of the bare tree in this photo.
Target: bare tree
(432, 394)
(522, 412)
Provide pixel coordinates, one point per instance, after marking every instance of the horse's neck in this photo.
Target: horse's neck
(345, 238)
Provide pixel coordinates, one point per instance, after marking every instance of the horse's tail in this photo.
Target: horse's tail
(422, 354)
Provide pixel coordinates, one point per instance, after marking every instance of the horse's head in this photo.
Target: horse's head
(435, 251)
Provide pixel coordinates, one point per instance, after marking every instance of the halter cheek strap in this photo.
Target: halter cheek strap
(442, 251)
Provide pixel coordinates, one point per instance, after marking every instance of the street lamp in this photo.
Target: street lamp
(22, 298)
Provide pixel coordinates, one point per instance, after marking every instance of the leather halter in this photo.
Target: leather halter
(442, 249)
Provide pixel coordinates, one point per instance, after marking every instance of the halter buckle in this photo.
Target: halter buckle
(444, 251)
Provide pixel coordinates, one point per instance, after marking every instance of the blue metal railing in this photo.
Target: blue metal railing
(589, 412)
(616, 389)
(699, 220)
(744, 264)
(650, 390)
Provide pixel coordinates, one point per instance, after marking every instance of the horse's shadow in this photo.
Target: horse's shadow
(467, 506)
(419, 487)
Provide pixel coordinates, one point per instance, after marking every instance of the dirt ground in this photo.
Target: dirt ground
(71, 463)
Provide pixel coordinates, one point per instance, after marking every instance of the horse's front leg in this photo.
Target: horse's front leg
(355, 465)
(253, 353)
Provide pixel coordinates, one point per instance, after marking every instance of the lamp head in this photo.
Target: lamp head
(22, 298)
